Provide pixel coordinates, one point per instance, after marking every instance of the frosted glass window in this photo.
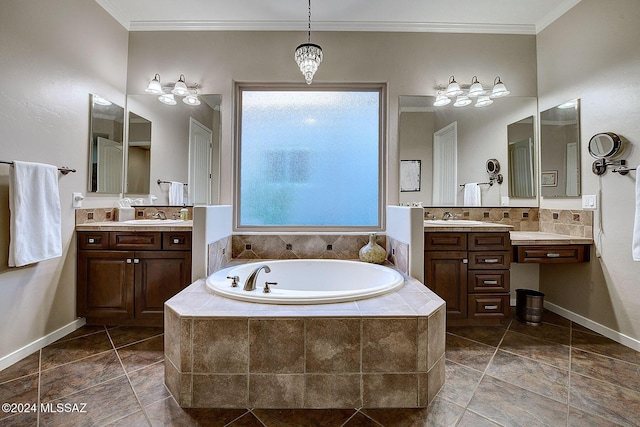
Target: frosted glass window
(309, 158)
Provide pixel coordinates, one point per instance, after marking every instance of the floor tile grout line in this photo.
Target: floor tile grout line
(144, 412)
(484, 373)
(358, 411)
(248, 411)
(137, 342)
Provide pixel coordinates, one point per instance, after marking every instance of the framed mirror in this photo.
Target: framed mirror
(183, 146)
(521, 147)
(560, 173)
(106, 155)
(138, 156)
(477, 134)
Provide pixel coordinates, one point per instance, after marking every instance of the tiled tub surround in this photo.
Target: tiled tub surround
(380, 352)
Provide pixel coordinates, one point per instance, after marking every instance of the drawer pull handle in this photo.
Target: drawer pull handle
(490, 282)
(553, 255)
(491, 260)
(490, 307)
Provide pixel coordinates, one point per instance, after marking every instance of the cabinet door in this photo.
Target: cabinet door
(105, 284)
(446, 275)
(159, 276)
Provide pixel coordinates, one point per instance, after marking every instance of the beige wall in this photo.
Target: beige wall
(592, 53)
(52, 55)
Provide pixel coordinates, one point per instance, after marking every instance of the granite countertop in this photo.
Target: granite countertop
(465, 226)
(526, 238)
(143, 225)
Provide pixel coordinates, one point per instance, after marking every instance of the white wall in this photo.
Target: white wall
(52, 55)
(592, 53)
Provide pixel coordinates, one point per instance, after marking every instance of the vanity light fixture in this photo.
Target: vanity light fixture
(463, 94)
(168, 91)
(308, 55)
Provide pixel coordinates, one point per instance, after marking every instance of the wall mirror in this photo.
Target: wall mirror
(138, 156)
(106, 136)
(474, 134)
(560, 150)
(521, 147)
(184, 147)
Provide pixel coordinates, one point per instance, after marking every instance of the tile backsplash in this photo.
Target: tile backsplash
(522, 219)
(577, 223)
(91, 215)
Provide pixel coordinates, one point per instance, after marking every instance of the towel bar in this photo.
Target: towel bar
(165, 182)
(63, 169)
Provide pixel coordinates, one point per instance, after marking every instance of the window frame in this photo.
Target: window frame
(380, 88)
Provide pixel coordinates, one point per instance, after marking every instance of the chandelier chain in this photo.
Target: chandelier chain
(309, 31)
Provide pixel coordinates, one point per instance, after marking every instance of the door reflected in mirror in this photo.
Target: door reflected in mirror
(106, 136)
(521, 158)
(471, 136)
(560, 150)
(138, 155)
(178, 151)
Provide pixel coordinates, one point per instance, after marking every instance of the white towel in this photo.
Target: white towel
(176, 193)
(635, 245)
(472, 195)
(34, 202)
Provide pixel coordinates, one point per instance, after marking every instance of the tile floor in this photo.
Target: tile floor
(554, 374)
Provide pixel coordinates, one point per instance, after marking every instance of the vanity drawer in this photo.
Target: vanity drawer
(555, 254)
(489, 241)
(176, 240)
(93, 240)
(485, 306)
(488, 281)
(135, 240)
(437, 241)
(489, 260)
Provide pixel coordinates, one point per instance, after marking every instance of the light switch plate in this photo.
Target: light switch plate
(77, 199)
(504, 201)
(590, 202)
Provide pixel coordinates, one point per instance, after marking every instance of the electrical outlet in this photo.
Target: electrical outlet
(590, 202)
(504, 201)
(76, 199)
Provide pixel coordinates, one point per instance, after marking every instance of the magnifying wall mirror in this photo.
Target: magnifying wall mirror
(605, 145)
(106, 135)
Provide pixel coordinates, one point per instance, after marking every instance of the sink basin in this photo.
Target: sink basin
(454, 222)
(153, 221)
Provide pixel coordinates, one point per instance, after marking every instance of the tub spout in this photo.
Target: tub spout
(250, 284)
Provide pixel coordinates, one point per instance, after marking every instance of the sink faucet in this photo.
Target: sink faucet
(159, 215)
(250, 284)
(448, 215)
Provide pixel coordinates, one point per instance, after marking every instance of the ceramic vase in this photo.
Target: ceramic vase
(373, 252)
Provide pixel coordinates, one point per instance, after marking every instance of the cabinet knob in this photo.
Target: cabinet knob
(128, 260)
(92, 240)
(136, 261)
(465, 261)
(176, 241)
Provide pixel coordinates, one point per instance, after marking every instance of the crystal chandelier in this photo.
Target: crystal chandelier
(308, 55)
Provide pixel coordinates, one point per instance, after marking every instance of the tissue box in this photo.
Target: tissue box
(125, 214)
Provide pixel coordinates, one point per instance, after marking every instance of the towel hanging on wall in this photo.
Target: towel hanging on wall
(176, 193)
(35, 224)
(635, 245)
(472, 194)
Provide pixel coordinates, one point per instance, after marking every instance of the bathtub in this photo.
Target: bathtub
(307, 281)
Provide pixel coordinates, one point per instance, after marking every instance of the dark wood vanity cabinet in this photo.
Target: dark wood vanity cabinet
(470, 271)
(125, 277)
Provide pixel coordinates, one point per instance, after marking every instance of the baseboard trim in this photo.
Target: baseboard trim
(23, 352)
(594, 326)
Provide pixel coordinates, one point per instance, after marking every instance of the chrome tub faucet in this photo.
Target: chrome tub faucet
(250, 284)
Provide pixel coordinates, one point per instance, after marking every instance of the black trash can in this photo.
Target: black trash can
(529, 306)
